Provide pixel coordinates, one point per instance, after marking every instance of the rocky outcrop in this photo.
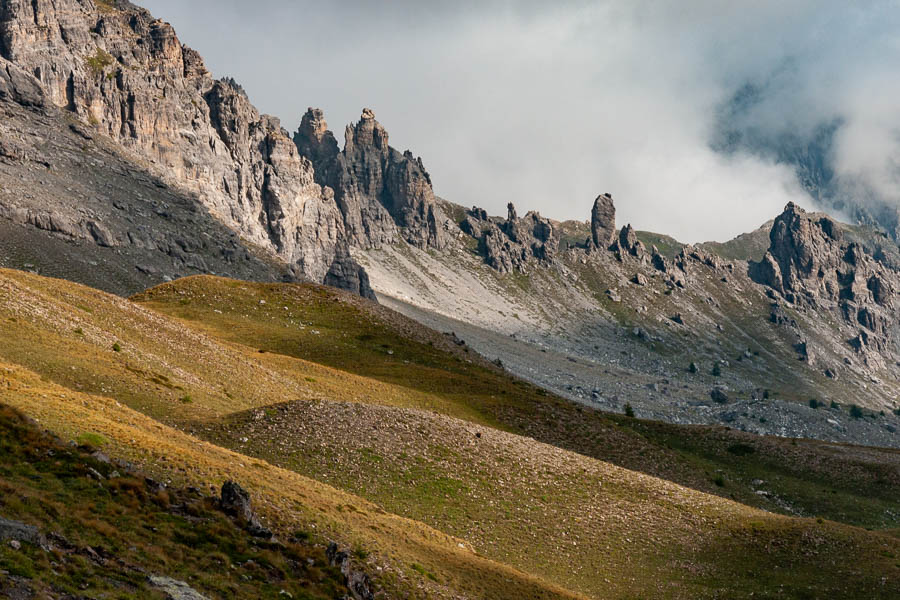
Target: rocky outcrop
(20, 532)
(18, 86)
(811, 265)
(357, 582)
(513, 244)
(345, 273)
(382, 193)
(628, 245)
(235, 501)
(603, 221)
(127, 74)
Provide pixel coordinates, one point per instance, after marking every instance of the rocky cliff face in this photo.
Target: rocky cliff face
(382, 193)
(513, 244)
(810, 264)
(114, 66)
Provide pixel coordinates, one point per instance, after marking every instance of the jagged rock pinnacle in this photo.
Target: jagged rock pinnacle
(603, 221)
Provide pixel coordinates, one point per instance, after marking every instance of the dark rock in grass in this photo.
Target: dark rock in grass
(357, 581)
(360, 586)
(16, 588)
(20, 532)
(101, 457)
(235, 501)
(153, 486)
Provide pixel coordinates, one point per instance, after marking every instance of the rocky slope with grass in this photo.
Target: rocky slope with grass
(760, 340)
(428, 465)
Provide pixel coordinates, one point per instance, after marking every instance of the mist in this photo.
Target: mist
(548, 105)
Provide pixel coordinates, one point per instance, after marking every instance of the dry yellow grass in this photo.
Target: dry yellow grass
(287, 499)
(68, 332)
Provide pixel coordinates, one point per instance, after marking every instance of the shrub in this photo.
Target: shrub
(105, 6)
(116, 347)
(719, 480)
(855, 411)
(740, 449)
(813, 403)
(835, 405)
(716, 370)
(629, 411)
(92, 440)
(186, 399)
(693, 368)
(99, 61)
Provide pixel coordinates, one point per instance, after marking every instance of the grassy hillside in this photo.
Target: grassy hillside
(426, 370)
(107, 535)
(290, 502)
(746, 246)
(348, 421)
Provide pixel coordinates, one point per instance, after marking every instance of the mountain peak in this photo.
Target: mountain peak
(313, 124)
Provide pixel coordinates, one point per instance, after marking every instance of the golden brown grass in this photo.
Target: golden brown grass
(287, 499)
(558, 516)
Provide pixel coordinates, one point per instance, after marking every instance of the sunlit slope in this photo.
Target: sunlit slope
(428, 370)
(290, 501)
(593, 527)
(96, 342)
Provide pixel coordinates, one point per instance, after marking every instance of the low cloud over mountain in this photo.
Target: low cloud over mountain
(697, 116)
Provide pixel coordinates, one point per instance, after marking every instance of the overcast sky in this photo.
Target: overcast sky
(547, 104)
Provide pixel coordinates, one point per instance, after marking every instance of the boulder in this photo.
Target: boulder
(20, 532)
(357, 582)
(16, 85)
(345, 273)
(628, 244)
(719, 395)
(175, 589)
